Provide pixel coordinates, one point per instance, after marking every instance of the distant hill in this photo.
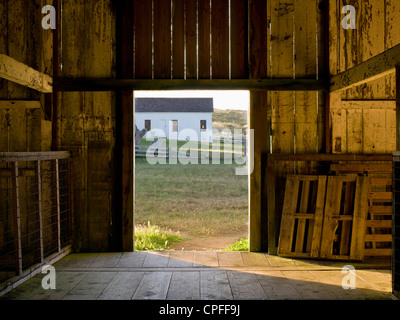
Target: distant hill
(229, 119)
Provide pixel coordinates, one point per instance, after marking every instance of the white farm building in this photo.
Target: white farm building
(175, 118)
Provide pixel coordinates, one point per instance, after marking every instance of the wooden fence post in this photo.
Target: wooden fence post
(17, 219)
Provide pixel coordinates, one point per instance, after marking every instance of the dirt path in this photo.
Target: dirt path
(207, 243)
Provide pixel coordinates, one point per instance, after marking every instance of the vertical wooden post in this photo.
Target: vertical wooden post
(125, 148)
(271, 217)
(259, 123)
(70, 203)
(58, 206)
(39, 207)
(17, 220)
(398, 107)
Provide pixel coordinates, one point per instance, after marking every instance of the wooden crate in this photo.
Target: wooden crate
(302, 216)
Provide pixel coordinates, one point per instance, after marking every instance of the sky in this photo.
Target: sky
(238, 99)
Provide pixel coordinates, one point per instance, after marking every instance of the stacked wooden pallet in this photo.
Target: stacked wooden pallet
(324, 217)
(378, 237)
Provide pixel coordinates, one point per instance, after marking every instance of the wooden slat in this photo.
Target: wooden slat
(178, 39)
(19, 104)
(374, 68)
(204, 16)
(257, 39)
(304, 216)
(162, 39)
(143, 39)
(289, 207)
(380, 195)
(220, 39)
(377, 252)
(282, 65)
(379, 223)
(18, 72)
(332, 207)
(342, 217)
(388, 210)
(346, 224)
(239, 39)
(359, 217)
(319, 214)
(330, 157)
(380, 181)
(378, 237)
(362, 167)
(191, 39)
(368, 104)
(301, 223)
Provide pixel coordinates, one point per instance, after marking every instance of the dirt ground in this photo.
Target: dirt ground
(208, 243)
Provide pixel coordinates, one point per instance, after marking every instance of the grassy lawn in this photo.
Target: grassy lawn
(195, 199)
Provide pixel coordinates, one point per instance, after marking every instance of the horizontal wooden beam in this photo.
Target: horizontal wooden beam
(191, 84)
(367, 104)
(378, 66)
(19, 104)
(329, 157)
(18, 72)
(33, 156)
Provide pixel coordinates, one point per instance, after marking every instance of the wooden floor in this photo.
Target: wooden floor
(204, 275)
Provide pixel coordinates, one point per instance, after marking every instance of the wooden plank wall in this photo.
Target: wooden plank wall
(295, 50)
(377, 30)
(173, 39)
(87, 119)
(24, 128)
(20, 35)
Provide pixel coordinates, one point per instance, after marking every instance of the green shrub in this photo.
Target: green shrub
(241, 245)
(153, 238)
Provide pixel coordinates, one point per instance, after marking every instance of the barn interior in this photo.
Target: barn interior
(324, 82)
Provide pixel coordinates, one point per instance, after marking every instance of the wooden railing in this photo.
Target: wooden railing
(35, 211)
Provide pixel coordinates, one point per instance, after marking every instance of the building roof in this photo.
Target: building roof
(174, 105)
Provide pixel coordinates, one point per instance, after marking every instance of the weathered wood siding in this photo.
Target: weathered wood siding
(87, 119)
(363, 127)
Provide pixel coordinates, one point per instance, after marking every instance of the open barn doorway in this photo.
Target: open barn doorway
(191, 176)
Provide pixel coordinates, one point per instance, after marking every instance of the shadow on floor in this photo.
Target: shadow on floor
(202, 275)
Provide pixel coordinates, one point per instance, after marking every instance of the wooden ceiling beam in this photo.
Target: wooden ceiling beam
(377, 67)
(18, 72)
(191, 84)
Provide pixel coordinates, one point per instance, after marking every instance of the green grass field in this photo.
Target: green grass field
(195, 199)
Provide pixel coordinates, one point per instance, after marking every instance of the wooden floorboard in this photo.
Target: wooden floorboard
(214, 285)
(154, 285)
(184, 286)
(204, 275)
(122, 286)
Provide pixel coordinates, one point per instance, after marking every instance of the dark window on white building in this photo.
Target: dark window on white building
(203, 125)
(147, 125)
